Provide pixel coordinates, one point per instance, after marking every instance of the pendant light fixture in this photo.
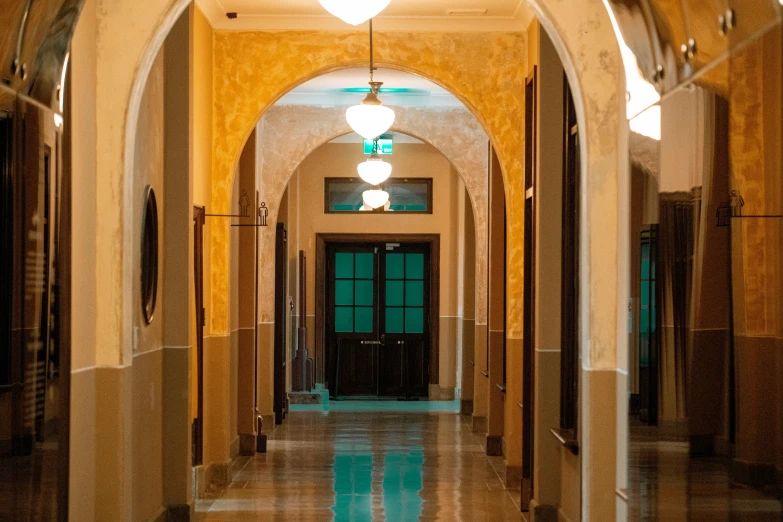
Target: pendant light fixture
(371, 118)
(355, 12)
(375, 197)
(374, 171)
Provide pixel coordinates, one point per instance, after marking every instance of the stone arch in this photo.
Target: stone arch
(254, 69)
(295, 131)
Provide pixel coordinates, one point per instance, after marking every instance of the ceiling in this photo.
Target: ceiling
(329, 90)
(396, 136)
(457, 15)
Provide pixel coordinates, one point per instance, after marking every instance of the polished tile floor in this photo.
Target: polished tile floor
(367, 465)
(666, 484)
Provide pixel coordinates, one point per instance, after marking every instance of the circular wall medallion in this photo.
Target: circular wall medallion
(149, 254)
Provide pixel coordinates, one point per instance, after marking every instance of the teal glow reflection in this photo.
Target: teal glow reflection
(401, 482)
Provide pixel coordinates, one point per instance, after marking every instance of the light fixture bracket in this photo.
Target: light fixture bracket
(372, 96)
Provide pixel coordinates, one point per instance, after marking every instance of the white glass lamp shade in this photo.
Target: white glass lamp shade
(375, 198)
(374, 171)
(365, 208)
(370, 121)
(355, 12)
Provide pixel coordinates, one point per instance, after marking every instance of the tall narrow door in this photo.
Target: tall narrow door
(404, 314)
(378, 320)
(529, 301)
(648, 333)
(353, 320)
(281, 315)
(199, 215)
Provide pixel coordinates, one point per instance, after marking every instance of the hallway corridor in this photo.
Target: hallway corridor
(363, 466)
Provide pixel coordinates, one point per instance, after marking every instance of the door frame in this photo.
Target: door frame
(322, 240)
(281, 326)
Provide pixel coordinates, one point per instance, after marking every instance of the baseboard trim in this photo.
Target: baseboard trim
(466, 407)
(479, 424)
(247, 444)
(701, 445)
(754, 474)
(160, 516)
(562, 517)
(437, 392)
(542, 512)
(514, 478)
(179, 513)
(494, 445)
(234, 451)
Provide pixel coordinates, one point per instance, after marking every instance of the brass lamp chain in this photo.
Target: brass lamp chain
(372, 64)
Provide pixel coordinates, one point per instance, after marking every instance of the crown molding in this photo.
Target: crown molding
(216, 14)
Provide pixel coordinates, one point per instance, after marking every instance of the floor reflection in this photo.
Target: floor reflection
(666, 484)
(366, 465)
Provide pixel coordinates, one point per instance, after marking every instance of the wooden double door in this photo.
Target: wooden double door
(378, 319)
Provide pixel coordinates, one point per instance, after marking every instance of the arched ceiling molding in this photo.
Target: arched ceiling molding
(289, 133)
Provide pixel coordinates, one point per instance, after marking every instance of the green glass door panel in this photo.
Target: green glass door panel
(363, 319)
(365, 292)
(343, 265)
(414, 320)
(365, 265)
(343, 319)
(414, 293)
(394, 320)
(395, 266)
(414, 266)
(343, 292)
(394, 293)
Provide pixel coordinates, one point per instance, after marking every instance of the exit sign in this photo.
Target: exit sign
(385, 146)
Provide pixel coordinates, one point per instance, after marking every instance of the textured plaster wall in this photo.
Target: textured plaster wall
(289, 133)
(252, 70)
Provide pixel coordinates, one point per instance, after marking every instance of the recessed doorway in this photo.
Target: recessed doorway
(377, 299)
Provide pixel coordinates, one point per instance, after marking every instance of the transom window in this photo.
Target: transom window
(406, 195)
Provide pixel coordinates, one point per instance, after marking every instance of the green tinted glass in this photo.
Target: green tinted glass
(365, 266)
(414, 293)
(343, 292)
(394, 318)
(395, 268)
(364, 292)
(363, 319)
(414, 266)
(343, 265)
(394, 293)
(414, 320)
(343, 319)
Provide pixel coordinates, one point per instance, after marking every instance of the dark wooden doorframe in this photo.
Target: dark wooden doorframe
(199, 215)
(529, 315)
(433, 240)
(281, 314)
